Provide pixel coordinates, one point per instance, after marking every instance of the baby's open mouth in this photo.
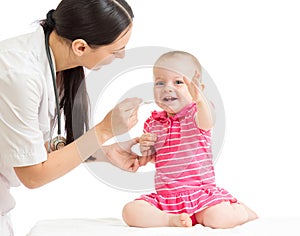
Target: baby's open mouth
(169, 98)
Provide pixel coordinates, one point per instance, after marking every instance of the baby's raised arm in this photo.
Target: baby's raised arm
(205, 116)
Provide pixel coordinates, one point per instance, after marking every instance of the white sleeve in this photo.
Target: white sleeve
(21, 140)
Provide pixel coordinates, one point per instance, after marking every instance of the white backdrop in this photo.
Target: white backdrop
(251, 50)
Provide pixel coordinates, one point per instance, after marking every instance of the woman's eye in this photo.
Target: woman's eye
(115, 53)
(118, 52)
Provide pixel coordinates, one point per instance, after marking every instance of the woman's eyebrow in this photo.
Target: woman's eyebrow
(122, 48)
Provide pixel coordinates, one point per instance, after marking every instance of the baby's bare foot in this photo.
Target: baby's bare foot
(180, 220)
(251, 214)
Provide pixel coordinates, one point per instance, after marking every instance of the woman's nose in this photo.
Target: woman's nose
(120, 54)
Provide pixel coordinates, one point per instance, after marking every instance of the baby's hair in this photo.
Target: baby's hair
(181, 55)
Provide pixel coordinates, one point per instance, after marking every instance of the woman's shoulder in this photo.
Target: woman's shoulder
(23, 40)
(22, 52)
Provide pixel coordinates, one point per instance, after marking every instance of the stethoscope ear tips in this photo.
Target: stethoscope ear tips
(57, 143)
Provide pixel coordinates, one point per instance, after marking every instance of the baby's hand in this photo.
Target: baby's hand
(147, 141)
(194, 86)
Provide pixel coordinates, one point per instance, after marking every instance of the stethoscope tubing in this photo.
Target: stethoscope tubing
(54, 82)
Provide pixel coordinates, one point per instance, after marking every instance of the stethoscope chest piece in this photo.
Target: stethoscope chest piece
(57, 143)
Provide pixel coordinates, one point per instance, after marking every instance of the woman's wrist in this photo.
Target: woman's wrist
(91, 142)
(103, 132)
(88, 144)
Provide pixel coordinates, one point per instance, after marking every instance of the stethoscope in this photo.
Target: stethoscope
(59, 141)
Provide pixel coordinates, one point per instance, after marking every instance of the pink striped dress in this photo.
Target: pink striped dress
(184, 178)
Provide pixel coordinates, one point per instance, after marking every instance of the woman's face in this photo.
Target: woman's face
(103, 55)
(170, 92)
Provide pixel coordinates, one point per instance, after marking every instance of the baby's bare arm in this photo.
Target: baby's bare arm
(205, 116)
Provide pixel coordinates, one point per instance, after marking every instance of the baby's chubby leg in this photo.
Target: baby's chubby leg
(225, 215)
(140, 213)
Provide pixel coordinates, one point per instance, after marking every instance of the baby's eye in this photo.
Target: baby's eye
(159, 83)
(179, 82)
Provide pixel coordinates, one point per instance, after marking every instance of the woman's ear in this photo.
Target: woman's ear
(79, 46)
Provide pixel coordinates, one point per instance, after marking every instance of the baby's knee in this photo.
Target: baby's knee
(127, 212)
(131, 211)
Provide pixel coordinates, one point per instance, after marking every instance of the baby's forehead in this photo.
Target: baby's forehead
(166, 73)
(179, 64)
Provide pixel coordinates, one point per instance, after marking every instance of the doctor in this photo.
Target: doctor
(41, 75)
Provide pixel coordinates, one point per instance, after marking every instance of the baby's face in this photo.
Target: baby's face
(170, 91)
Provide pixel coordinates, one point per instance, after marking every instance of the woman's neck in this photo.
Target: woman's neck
(62, 55)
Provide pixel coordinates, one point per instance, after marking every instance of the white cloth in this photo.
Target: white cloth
(27, 104)
(114, 226)
(5, 226)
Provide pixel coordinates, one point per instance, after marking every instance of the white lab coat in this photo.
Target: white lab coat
(27, 104)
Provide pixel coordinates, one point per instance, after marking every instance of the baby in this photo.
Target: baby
(178, 141)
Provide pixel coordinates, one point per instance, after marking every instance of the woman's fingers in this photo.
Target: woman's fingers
(130, 104)
(125, 115)
(135, 165)
(143, 160)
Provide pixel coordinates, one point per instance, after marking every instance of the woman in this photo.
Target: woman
(78, 34)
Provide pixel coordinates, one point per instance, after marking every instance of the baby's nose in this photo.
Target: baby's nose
(169, 88)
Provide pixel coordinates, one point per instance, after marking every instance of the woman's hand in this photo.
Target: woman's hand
(122, 117)
(147, 141)
(121, 155)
